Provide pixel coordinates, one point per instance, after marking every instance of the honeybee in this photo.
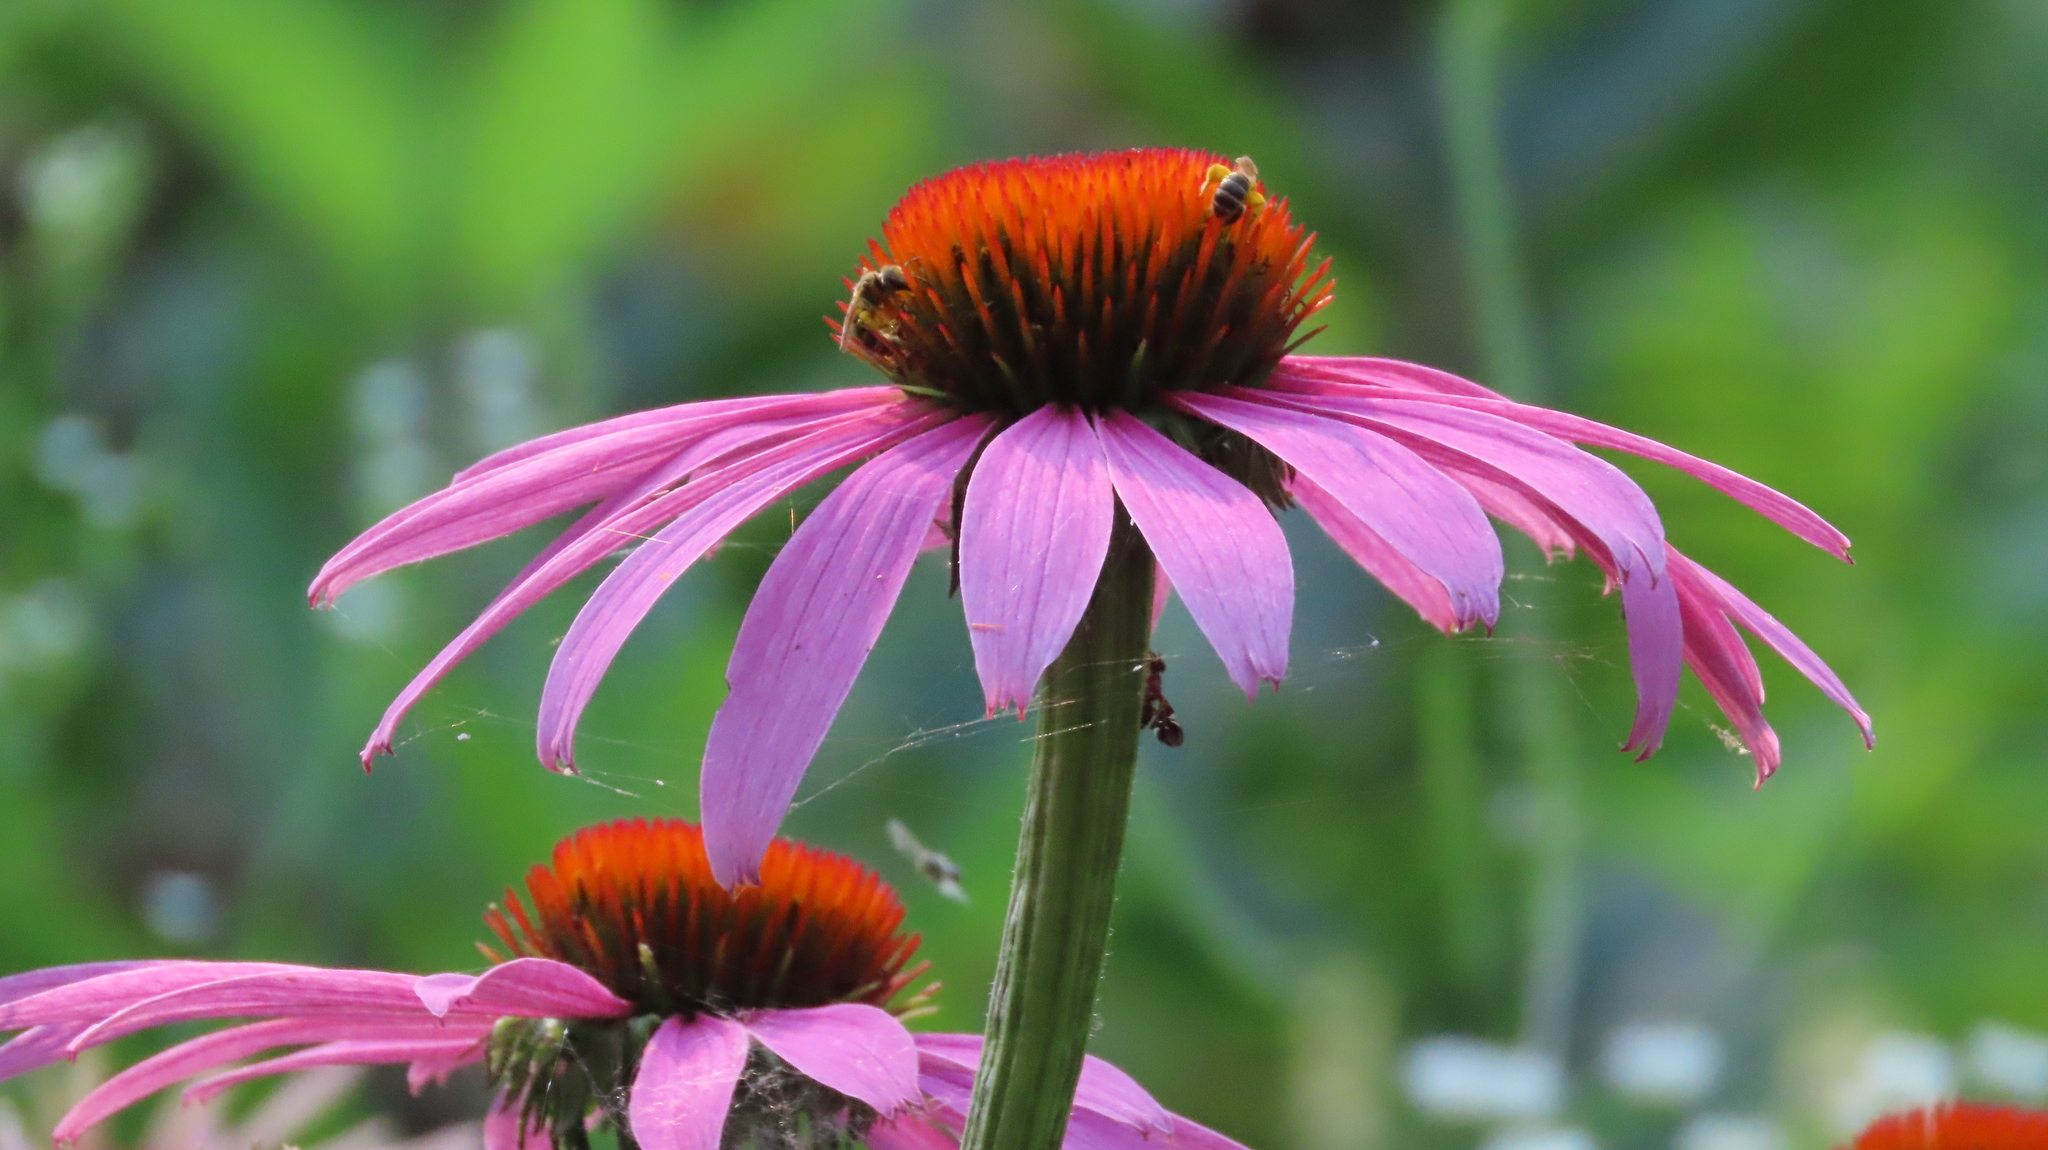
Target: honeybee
(1235, 190)
(870, 312)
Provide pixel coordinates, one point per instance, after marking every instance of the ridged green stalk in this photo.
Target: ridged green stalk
(1042, 1005)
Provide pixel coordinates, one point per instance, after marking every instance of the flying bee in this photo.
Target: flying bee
(1235, 190)
(1158, 713)
(939, 870)
(871, 313)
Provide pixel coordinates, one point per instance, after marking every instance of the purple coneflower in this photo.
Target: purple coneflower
(634, 991)
(1069, 340)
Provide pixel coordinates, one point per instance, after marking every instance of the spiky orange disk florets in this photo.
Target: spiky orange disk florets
(634, 903)
(1095, 280)
(1958, 1126)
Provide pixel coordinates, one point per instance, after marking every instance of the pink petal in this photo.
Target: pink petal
(1656, 657)
(1521, 512)
(1216, 540)
(1189, 1135)
(1780, 639)
(912, 1131)
(1390, 567)
(505, 1128)
(592, 539)
(523, 987)
(1162, 590)
(805, 404)
(685, 1084)
(93, 998)
(807, 633)
(861, 1051)
(1373, 371)
(16, 987)
(1725, 667)
(628, 593)
(485, 504)
(435, 1069)
(37, 1047)
(218, 1049)
(1774, 505)
(1412, 507)
(1103, 1088)
(1032, 541)
(1593, 496)
(1594, 493)
(349, 1052)
(297, 992)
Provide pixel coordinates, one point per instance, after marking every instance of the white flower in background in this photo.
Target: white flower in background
(72, 457)
(1664, 1063)
(1457, 1078)
(496, 371)
(299, 1103)
(1897, 1071)
(47, 624)
(82, 190)
(2009, 1060)
(1566, 1138)
(1730, 1132)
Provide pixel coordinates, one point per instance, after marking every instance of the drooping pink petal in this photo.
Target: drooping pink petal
(435, 1069)
(685, 1083)
(37, 1047)
(1216, 540)
(1725, 667)
(1373, 370)
(348, 1052)
(627, 594)
(301, 991)
(1588, 495)
(1780, 639)
(1103, 1088)
(591, 541)
(1387, 565)
(807, 633)
(506, 1128)
(1418, 511)
(16, 987)
(1189, 1135)
(91, 999)
(1523, 513)
(215, 1050)
(800, 404)
(861, 1051)
(1162, 591)
(1594, 493)
(523, 987)
(1656, 657)
(1032, 540)
(1772, 504)
(486, 502)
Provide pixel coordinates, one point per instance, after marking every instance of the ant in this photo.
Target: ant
(1158, 713)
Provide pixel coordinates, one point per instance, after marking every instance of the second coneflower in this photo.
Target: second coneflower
(627, 991)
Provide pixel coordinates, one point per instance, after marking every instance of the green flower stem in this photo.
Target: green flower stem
(1043, 1002)
(1468, 66)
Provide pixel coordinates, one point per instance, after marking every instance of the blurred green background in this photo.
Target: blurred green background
(271, 268)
